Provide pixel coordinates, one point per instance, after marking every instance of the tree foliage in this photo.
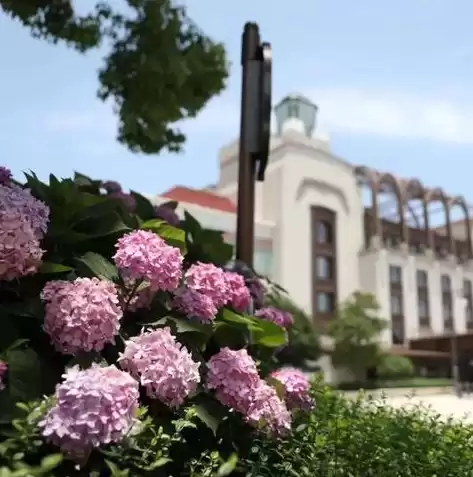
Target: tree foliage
(160, 67)
(356, 332)
(395, 367)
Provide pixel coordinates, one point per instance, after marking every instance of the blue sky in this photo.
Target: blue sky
(393, 81)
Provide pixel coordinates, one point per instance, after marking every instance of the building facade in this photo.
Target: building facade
(320, 239)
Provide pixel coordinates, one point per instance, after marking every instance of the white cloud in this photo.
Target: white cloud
(340, 110)
(394, 115)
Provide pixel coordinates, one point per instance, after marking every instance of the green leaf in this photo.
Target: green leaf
(214, 247)
(17, 344)
(161, 462)
(191, 226)
(144, 208)
(24, 381)
(231, 317)
(172, 235)
(204, 413)
(82, 180)
(188, 326)
(115, 471)
(50, 462)
(265, 333)
(94, 264)
(278, 386)
(228, 467)
(110, 224)
(49, 267)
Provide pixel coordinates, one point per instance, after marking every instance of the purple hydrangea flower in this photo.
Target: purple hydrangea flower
(143, 255)
(5, 176)
(167, 214)
(233, 375)
(112, 186)
(276, 316)
(238, 294)
(195, 305)
(209, 280)
(93, 407)
(14, 199)
(82, 315)
(20, 252)
(3, 372)
(268, 412)
(296, 388)
(162, 365)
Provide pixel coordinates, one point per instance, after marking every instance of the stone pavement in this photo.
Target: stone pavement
(447, 405)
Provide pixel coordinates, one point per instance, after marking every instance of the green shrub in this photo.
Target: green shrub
(360, 438)
(395, 367)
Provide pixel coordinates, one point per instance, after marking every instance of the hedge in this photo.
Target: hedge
(366, 438)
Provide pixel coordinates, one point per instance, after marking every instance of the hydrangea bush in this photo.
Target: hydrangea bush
(128, 319)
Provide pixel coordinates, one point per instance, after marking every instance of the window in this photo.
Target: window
(446, 283)
(396, 305)
(263, 262)
(469, 313)
(423, 306)
(467, 288)
(293, 109)
(421, 279)
(325, 302)
(447, 311)
(324, 232)
(324, 267)
(395, 274)
(397, 334)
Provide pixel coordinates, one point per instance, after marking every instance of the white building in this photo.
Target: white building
(317, 238)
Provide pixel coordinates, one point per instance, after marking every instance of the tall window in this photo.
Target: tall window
(324, 267)
(395, 274)
(325, 302)
(447, 302)
(397, 304)
(468, 295)
(324, 263)
(324, 232)
(423, 305)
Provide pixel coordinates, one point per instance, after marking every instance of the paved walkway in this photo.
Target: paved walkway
(446, 405)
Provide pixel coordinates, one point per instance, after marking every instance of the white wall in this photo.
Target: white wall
(374, 269)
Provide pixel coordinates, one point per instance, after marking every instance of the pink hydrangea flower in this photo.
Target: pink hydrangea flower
(5, 176)
(267, 412)
(82, 315)
(296, 388)
(209, 280)
(20, 252)
(195, 305)
(233, 375)
(16, 200)
(127, 200)
(276, 316)
(238, 293)
(143, 255)
(3, 372)
(93, 407)
(162, 365)
(167, 214)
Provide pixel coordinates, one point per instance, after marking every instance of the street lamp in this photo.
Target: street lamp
(255, 130)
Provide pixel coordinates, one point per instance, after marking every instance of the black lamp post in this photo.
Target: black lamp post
(255, 130)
